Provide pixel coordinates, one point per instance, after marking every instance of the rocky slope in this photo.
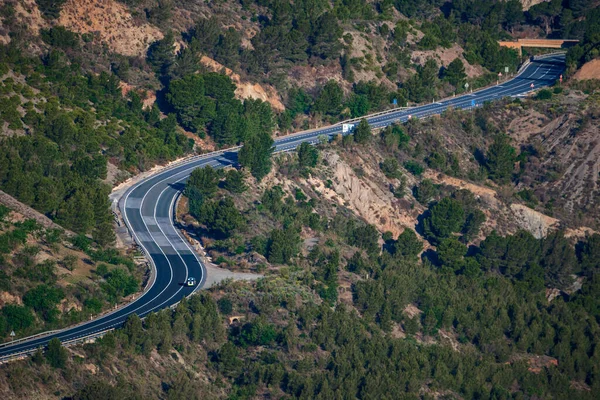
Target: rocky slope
(111, 23)
(589, 70)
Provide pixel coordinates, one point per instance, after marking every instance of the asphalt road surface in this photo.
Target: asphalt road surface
(147, 207)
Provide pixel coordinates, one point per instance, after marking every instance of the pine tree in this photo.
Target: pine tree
(161, 53)
(187, 97)
(204, 180)
(455, 73)
(256, 154)
(134, 331)
(444, 219)
(103, 234)
(50, 9)
(307, 155)
(362, 133)
(451, 252)
(500, 159)
(408, 245)
(56, 354)
(186, 63)
(234, 181)
(330, 99)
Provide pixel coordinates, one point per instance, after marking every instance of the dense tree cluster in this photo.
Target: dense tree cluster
(234, 182)
(308, 156)
(58, 167)
(589, 46)
(500, 159)
(362, 132)
(255, 154)
(489, 298)
(451, 216)
(220, 216)
(493, 316)
(356, 233)
(207, 103)
(525, 266)
(291, 34)
(50, 9)
(298, 339)
(310, 32)
(283, 245)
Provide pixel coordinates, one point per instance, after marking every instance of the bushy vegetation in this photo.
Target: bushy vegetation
(497, 315)
(41, 287)
(312, 33)
(207, 103)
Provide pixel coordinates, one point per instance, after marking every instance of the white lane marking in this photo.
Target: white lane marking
(513, 83)
(171, 279)
(518, 86)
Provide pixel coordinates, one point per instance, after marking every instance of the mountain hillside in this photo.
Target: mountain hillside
(450, 257)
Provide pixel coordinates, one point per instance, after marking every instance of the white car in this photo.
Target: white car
(190, 282)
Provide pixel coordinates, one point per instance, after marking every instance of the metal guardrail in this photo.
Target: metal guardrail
(72, 342)
(528, 61)
(519, 71)
(37, 335)
(377, 114)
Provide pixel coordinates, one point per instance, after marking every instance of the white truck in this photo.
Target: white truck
(347, 128)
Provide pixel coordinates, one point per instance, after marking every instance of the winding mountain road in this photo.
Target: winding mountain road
(148, 206)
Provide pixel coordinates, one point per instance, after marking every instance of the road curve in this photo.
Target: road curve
(148, 206)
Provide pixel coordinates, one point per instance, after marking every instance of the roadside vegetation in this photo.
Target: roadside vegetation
(49, 280)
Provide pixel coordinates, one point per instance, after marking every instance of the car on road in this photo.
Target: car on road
(190, 281)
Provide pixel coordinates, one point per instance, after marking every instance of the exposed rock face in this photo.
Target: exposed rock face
(589, 70)
(148, 96)
(7, 298)
(112, 23)
(365, 196)
(572, 144)
(527, 4)
(247, 90)
(507, 218)
(532, 221)
(537, 363)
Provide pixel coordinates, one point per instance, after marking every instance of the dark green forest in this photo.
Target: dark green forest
(76, 122)
(491, 296)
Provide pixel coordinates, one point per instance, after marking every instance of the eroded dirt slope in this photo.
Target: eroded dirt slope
(112, 23)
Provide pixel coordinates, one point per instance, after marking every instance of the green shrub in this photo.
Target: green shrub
(225, 305)
(18, 318)
(414, 167)
(544, 94)
(56, 354)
